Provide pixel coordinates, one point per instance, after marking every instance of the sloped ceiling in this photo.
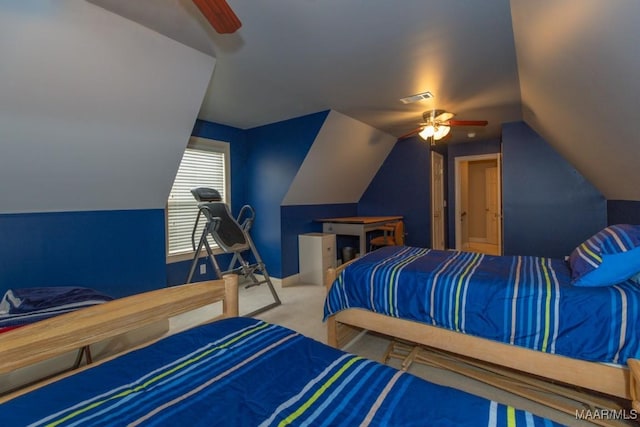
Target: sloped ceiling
(568, 68)
(341, 163)
(579, 68)
(95, 110)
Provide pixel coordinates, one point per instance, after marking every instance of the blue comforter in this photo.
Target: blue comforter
(22, 306)
(520, 300)
(245, 372)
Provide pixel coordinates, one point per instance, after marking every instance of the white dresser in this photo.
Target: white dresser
(317, 252)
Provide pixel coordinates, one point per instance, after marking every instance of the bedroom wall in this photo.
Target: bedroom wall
(402, 187)
(177, 272)
(336, 171)
(117, 252)
(239, 151)
(549, 207)
(276, 152)
(90, 145)
(312, 166)
(623, 212)
(268, 164)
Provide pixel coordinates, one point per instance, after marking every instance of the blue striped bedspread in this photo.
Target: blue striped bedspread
(520, 300)
(245, 372)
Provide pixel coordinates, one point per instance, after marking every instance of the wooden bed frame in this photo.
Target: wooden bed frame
(58, 335)
(599, 377)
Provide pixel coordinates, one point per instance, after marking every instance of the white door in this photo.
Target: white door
(464, 206)
(437, 201)
(461, 165)
(499, 203)
(492, 204)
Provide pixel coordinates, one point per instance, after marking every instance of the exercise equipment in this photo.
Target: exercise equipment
(232, 236)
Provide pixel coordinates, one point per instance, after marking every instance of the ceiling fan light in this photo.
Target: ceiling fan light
(427, 132)
(441, 132)
(444, 116)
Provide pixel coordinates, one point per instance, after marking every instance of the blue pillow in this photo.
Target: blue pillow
(610, 256)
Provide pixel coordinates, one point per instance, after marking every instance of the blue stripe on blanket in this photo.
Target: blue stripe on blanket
(520, 300)
(27, 305)
(244, 372)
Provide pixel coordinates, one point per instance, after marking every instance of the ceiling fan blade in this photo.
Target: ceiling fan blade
(467, 123)
(219, 14)
(410, 134)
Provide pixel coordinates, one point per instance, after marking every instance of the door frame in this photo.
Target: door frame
(442, 223)
(457, 161)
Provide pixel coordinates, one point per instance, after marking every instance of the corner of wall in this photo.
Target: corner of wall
(549, 207)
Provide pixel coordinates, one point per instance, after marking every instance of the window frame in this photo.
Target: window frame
(203, 144)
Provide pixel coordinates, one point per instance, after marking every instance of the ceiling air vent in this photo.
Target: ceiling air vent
(417, 97)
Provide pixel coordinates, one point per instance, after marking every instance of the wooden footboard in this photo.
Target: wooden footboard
(49, 338)
(599, 377)
(634, 367)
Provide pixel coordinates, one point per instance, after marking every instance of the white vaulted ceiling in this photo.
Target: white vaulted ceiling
(578, 64)
(341, 163)
(567, 67)
(95, 110)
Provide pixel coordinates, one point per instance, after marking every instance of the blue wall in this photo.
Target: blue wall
(177, 272)
(276, 153)
(239, 151)
(117, 252)
(548, 206)
(623, 212)
(264, 162)
(402, 187)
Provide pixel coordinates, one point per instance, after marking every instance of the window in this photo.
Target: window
(205, 163)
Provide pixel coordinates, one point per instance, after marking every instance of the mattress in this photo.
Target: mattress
(520, 300)
(245, 372)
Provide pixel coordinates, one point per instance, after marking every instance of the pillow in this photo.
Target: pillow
(608, 257)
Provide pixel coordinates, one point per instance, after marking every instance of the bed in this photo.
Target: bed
(234, 371)
(526, 313)
(22, 306)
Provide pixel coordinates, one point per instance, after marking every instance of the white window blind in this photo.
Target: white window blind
(200, 167)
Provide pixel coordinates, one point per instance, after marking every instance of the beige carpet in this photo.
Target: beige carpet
(301, 310)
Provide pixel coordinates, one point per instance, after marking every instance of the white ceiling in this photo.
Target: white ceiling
(569, 68)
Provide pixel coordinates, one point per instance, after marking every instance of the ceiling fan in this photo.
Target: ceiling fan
(219, 14)
(437, 125)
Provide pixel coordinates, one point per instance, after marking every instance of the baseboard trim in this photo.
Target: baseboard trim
(290, 280)
(286, 282)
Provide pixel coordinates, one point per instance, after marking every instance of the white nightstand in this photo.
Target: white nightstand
(317, 252)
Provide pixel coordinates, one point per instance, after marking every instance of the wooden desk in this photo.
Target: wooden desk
(356, 226)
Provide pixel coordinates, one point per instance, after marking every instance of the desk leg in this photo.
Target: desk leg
(363, 242)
